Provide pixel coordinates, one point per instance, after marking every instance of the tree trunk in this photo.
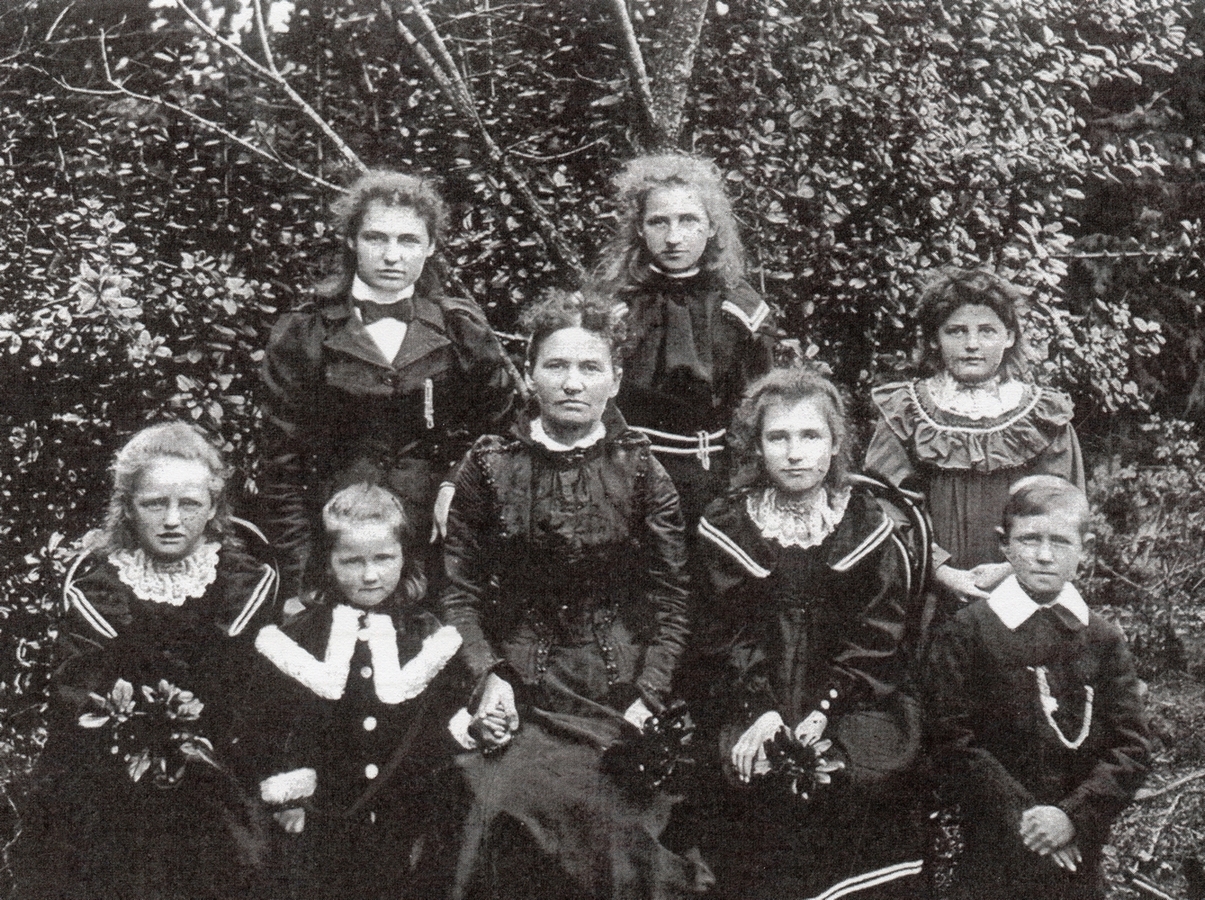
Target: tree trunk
(670, 68)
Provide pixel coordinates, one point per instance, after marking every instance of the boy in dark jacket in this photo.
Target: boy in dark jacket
(1036, 718)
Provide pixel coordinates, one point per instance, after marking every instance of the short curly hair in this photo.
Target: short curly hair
(391, 189)
(952, 288)
(625, 257)
(558, 309)
(166, 441)
(788, 386)
(365, 503)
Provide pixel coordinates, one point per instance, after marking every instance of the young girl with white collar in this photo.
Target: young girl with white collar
(366, 705)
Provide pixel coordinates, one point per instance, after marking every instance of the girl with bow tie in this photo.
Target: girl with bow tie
(367, 698)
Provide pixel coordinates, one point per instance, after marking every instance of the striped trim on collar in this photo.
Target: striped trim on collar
(732, 548)
(752, 322)
(265, 588)
(74, 597)
(869, 543)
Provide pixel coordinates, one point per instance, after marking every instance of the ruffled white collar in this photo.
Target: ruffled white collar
(803, 522)
(170, 583)
(362, 290)
(1013, 606)
(544, 439)
(986, 400)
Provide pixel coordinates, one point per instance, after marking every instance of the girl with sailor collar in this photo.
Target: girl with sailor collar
(805, 613)
(697, 330)
(367, 699)
(165, 600)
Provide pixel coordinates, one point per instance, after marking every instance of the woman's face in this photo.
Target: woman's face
(675, 228)
(572, 378)
(797, 445)
(366, 563)
(171, 507)
(972, 342)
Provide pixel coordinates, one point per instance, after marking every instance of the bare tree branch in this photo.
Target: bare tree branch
(459, 96)
(445, 57)
(119, 89)
(639, 74)
(274, 77)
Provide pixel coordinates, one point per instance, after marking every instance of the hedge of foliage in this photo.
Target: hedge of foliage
(146, 245)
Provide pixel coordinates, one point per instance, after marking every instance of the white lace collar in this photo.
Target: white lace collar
(986, 400)
(171, 583)
(544, 439)
(805, 522)
(362, 290)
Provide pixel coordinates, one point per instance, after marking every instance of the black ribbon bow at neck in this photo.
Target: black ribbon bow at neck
(402, 310)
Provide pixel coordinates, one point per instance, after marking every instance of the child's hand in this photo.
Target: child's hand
(1067, 857)
(291, 820)
(439, 517)
(988, 576)
(959, 581)
(749, 755)
(1045, 829)
(497, 717)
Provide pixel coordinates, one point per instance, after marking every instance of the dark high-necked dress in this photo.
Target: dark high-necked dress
(566, 573)
(695, 343)
(802, 629)
(92, 832)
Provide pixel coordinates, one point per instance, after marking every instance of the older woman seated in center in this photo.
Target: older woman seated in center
(565, 557)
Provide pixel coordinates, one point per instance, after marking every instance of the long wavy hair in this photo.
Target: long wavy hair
(952, 288)
(625, 258)
(391, 189)
(361, 504)
(170, 440)
(789, 386)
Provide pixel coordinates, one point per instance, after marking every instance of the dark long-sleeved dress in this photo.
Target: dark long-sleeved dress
(589, 614)
(90, 830)
(362, 699)
(965, 466)
(802, 629)
(695, 344)
(999, 753)
(339, 412)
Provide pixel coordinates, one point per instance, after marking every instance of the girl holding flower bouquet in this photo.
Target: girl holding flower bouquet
(806, 612)
(139, 791)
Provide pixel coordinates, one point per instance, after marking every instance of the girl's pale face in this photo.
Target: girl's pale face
(675, 228)
(972, 342)
(797, 445)
(366, 563)
(573, 378)
(171, 507)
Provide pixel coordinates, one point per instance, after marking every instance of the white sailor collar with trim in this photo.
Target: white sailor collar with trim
(862, 529)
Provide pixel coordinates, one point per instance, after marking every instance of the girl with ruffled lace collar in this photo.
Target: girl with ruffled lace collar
(162, 604)
(965, 433)
(804, 611)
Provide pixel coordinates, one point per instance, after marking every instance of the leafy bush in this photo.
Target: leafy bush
(1150, 527)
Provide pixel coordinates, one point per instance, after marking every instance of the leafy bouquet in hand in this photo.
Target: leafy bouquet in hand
(798, 765)
(648, 761)
(154, 734)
